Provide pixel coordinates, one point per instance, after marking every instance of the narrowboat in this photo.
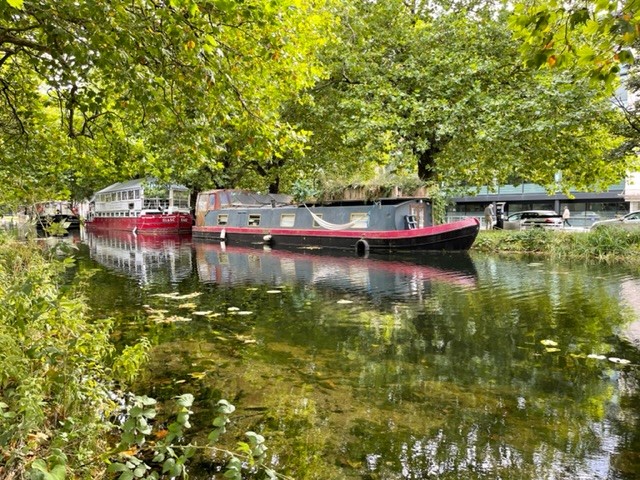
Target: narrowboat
(141, 206)
(57, 211)
(384, 225)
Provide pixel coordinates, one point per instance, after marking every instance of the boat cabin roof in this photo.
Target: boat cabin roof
(244, 198)
(137, 183)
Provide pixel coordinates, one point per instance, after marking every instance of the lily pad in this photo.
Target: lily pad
(274, 291)
(596, 356)
(188, 305)
(621, 361)
(549, 343)
(344, 302)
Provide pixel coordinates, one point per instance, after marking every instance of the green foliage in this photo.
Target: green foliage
(596, 36)
(371, 187)
(57, 375)
(126, 367)
(440, 91)
(53, 380)
(56, 229)
(191, 91)
(167, 455)
(54, 368)
(602, 244)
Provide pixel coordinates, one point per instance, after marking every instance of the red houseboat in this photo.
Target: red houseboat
(141, 206)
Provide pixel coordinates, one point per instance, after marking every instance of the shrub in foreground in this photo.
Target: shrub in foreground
(60, 415)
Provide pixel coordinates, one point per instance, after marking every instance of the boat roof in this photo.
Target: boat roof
(245, 198)
(137, 183)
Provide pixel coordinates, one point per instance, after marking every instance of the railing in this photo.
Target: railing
(577, 221)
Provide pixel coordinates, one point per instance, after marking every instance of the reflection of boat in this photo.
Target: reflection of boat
(388, 276)
(141, 206)
(385, 225)
(149, 258)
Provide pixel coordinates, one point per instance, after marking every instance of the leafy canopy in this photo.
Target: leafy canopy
(94, 92)
(597, 35)
(441, 92)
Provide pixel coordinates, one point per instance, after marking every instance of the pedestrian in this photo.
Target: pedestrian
(566, 215)
(488, 216)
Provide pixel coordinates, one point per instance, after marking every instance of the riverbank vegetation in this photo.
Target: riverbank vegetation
(603, 244)
(65, 410)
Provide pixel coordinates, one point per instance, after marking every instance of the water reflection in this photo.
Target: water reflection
(449, 367)
(147, 258)
(379, 277)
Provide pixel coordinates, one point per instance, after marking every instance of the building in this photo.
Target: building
(585, 207)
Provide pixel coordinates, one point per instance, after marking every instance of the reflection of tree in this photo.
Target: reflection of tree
(452, 384)
(498, 400)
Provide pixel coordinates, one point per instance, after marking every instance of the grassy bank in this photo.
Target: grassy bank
(606, 244)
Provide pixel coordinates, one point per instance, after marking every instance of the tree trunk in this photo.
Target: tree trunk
(426, 165)
(274, 186)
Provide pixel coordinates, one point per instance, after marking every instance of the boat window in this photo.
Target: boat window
(361, 220)
(225, 199)
(137, 194)
(287, 219)
(180, 199)
(316, 224)
(223, 218)
(254, 220)
(130, 194)
(410, 222)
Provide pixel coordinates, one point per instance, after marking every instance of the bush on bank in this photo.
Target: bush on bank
(61, 415)
(55, 374)
(602, 244)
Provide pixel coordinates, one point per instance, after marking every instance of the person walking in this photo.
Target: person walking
(488, 216)
(566, 215)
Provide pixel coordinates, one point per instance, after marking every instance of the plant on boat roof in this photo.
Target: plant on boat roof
(377, 187)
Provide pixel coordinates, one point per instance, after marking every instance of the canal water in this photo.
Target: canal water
(447, 366)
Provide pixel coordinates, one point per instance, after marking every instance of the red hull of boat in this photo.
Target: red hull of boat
(170, 223)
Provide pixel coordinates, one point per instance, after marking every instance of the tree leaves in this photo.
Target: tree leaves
(160, 91)
(446, 95)
(592, 35)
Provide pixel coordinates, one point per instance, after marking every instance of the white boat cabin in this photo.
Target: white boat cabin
(140, 197)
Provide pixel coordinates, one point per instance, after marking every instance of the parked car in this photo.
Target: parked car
(628, 222)
(533, 219)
